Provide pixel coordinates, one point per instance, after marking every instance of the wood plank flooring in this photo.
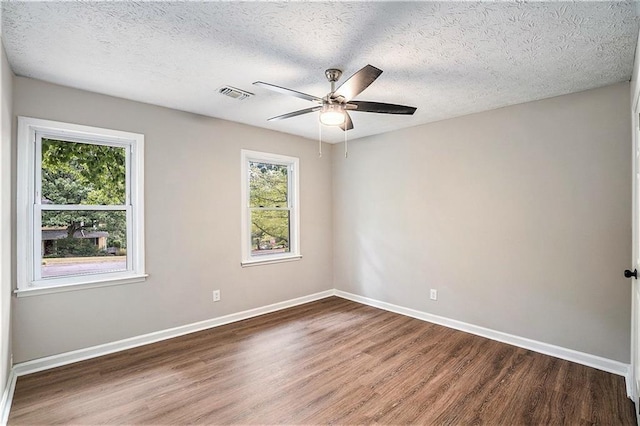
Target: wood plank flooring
(331, 361)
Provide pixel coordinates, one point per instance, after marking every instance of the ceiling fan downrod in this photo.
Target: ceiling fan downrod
(333, 75)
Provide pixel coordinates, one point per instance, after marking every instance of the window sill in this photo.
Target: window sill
(37, 291)
(254, 262)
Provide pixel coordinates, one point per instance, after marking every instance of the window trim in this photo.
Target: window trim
(293, 196)
(29, 130)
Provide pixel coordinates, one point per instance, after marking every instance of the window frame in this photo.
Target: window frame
(31, 131)
(293, 205)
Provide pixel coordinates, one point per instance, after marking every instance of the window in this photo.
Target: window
(270, 209)
(80, 207)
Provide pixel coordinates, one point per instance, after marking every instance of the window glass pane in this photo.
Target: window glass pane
(80, 173)
(268, 185)
(83, 242)
(269, 231)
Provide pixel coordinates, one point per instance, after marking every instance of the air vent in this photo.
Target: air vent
(234, 93)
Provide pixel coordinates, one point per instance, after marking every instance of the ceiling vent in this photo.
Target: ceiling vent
(234, 93)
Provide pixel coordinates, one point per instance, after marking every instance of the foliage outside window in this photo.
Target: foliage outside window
(270, 207)
(89, 175)
(82, 189)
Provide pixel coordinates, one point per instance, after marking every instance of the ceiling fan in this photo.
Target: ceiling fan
(335, 105)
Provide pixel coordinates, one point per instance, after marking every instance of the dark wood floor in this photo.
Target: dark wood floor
(331, 361)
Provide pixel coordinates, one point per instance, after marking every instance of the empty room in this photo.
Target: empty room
(314, 212)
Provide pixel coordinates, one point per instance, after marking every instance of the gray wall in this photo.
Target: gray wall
(6, 90)
(192, 206)
(520, 217)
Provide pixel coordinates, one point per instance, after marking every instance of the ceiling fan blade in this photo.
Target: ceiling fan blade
(296, 113)
(358, 82)
(290, 92)
(382, 108)
(348, 124)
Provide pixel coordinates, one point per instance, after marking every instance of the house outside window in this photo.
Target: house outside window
(270, 208)
(80, 207)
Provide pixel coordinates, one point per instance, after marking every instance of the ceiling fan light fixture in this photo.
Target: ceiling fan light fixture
(332, 115)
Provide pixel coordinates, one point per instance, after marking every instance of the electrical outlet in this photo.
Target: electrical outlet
(433, 295)
(216, 295)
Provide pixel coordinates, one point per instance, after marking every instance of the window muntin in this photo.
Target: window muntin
(82, 191)
(270, 207)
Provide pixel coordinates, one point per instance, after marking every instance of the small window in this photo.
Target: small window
(270, 224)
(80, 201)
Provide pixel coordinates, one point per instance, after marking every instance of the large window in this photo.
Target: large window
(80, 206)
(270, 224)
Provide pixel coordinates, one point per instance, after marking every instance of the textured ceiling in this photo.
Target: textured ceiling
(445, 58)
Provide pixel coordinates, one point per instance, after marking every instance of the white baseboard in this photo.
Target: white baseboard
(589, 360)
(58, 360)
(7, 397)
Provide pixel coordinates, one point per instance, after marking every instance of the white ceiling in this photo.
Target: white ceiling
(445, 58)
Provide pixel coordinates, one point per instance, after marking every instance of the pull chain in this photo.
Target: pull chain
(319, 139)
(346, 146)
